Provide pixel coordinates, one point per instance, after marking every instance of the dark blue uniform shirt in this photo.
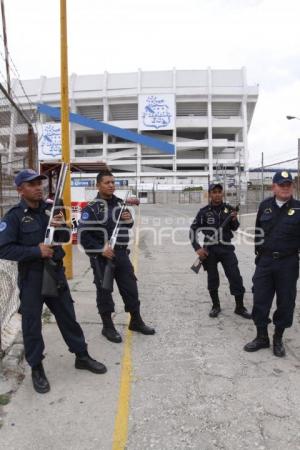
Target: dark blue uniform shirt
(280, 226)
(22, 230)
(97, 223)
(209, 219)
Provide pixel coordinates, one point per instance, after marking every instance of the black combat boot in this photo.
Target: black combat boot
(137, 324)
(39, 379)
(240, 308)
(108, 329)
(261, 340)
(83, 361)
(278, 347)
(215, 310)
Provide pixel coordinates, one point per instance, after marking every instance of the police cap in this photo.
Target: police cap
(215, 185)
(282, 176)
(28, 175)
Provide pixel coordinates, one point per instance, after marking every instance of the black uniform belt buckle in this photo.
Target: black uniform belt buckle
(275, 255)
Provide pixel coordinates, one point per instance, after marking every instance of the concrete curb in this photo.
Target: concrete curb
(11, 372)
(12, 369)
(11, 331)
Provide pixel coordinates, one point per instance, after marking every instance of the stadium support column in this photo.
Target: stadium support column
(73, 110)
(245, 139)
(105, 135)
(105, 117)
(174, 136)
(138, 168)
(174, 133)
(245, 126)
(209, 125)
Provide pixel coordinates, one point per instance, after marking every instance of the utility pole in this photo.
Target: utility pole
(65, 132)
(298, 165)
(31, 148)
(5, 47)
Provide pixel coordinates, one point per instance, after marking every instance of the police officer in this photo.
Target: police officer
(22, 232)
(96, 226)
(217, 248)
(277, 243)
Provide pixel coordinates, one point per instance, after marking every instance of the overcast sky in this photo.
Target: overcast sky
(124, 35)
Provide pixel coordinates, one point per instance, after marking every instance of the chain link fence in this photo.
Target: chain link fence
(248, 194)
(9, 296)
(17, 147)
(17, 151)
(260, 182)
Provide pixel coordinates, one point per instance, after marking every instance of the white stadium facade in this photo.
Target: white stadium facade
(204, 114)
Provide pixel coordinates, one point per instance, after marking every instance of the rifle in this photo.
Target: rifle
(198, 263)
(108, 276)
(50, 283)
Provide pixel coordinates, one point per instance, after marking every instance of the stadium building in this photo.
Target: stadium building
(205, 114)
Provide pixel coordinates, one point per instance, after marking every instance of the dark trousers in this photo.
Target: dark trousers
(226, 256)
(31, 310)
(126, 282)
(275, 276)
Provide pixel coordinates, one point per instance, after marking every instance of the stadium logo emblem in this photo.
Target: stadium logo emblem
(50, 142)
(156, 113)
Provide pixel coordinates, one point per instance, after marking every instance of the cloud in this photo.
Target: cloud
(271, 132)
(119, 36)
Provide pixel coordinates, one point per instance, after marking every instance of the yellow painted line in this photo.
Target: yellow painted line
(121, 420)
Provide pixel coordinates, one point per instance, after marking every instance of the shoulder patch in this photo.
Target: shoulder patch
(91, 203)
(3, 226)
(85, 215)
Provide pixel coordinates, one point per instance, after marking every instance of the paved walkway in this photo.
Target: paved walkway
(191, 386)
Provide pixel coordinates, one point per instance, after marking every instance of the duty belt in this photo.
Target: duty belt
(278, 255)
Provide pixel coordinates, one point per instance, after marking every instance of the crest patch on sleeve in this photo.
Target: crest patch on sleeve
(3, 226)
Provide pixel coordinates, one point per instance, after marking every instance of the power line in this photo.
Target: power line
(15, 71)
